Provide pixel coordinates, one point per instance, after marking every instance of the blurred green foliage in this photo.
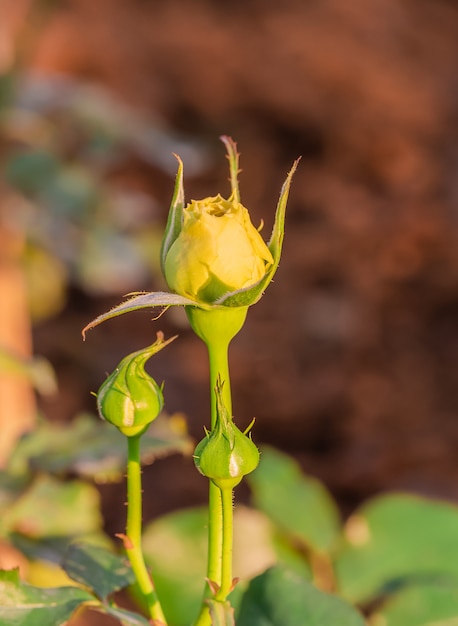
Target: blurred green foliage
(70, 158)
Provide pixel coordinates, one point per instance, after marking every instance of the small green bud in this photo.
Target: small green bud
(130, 399)
(225, 455)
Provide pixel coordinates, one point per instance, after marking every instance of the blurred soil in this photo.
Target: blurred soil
(350, 361)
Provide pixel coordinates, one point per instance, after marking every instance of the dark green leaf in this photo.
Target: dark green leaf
(300, 505)
(394, 539)
(281, 598)
(24, 605)
(52, 549)
(97, 568)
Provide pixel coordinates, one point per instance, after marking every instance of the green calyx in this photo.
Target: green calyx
(218, 325)
(129, 398)
(225, 455)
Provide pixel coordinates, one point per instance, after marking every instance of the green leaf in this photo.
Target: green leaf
(74, 506)
(173, 226)
(97, 568)
(51, 550)
(300, 505)
(140, 301)
(396, 539)
(24, 605)
(420, 605)
(94, 449)
(175, 548)
(281, 598)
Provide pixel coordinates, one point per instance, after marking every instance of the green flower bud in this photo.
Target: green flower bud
(217, 251)
(225, 455)
(130, 399)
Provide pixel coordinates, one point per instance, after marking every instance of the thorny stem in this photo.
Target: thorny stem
(217, 327)
(226, 555)
(220, 507)
(132, 539)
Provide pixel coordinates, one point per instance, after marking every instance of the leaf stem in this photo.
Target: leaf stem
(132, 539)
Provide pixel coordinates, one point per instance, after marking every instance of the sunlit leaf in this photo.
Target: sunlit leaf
(175, 547)
(394, 540)
(24, 605)
(419, 605)
(300, 505)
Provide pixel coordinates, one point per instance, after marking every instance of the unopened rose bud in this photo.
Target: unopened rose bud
(218, 251)
(225, 455)
(211, 253)
(130, 399)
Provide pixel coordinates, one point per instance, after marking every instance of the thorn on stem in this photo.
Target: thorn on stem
(128, 545)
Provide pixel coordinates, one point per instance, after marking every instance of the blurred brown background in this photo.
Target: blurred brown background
(350, 361)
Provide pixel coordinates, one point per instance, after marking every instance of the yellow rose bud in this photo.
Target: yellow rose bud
(217, 251)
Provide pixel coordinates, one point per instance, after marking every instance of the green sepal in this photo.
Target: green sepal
(141, 300)
(233, 157)
(174, 220)
(251, 295)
